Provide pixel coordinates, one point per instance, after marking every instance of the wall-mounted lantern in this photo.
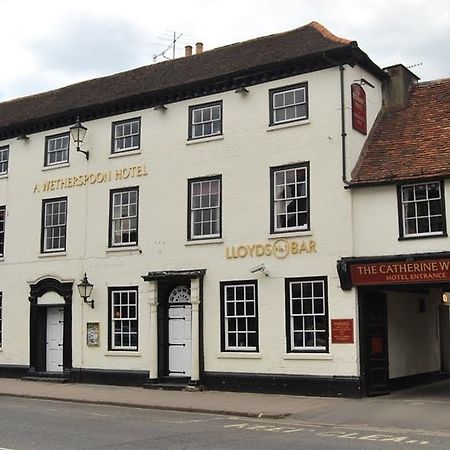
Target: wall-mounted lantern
(78, 132)
(85, 290)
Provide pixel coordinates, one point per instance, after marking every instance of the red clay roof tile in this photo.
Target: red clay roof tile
(411, 142)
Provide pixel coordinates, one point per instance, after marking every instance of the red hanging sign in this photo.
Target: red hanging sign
(359, 109)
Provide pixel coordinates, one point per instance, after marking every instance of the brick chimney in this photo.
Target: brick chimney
(397, 87)
(188, 50)
(198, 48)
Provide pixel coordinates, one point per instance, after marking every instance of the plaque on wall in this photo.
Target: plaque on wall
(93, 334)
(342, 331)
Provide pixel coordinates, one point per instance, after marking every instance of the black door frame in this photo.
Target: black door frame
(38, 320)
(365, 334)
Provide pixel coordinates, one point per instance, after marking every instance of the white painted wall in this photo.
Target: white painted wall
(243, 157)
(413, 336)
(355, 140)
(376, 226)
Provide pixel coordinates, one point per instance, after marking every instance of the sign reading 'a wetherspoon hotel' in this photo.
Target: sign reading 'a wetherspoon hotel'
(423, 271)
(91, 178)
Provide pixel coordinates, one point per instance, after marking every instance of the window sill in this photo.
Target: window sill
(422, 236)
(290, 234)
(3, 175)
(51, 255)
(127, 353)
(239, 355)
(2, 258)
(280, 126)
(125, 153)
(204, 242)
(133, 249)
(205, 139)
(310, 356)
(55, 166)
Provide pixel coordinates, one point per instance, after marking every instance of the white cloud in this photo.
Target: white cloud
(50, 43)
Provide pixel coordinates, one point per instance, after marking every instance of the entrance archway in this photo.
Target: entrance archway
(46, 329)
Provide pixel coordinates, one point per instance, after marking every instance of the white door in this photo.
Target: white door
(180, 330)
(55, 327)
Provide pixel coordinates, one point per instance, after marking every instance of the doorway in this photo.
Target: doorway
(175, 329)
(55, 339)
(50, 327)
(179, 332)
(374, 342)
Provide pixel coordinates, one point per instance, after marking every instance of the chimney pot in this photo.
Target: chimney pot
(198, 48)
(188, 50)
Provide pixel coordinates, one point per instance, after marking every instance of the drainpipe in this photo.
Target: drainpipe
(343, 132)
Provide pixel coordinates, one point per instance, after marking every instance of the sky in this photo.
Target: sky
(48, 44)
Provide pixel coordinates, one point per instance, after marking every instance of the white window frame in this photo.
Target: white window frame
(121, 135)
(125, 326)
(54, 224)
(205, 208)
(305, 314)
(289, 191)
(60, 150)
(205, 120)
(417, 202)
(2, 230)
(240, 315)
(289, 100)
(4, 159)
(123, 216)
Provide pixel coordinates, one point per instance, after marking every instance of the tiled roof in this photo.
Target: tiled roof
(412, 142)
(156, 79)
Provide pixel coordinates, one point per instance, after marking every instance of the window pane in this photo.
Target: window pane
(206, 121)
(57, 150)
(124, 220)
(126, 135)
(204, 208)
(422, 209)
(289, 104)
(239, 321)
(290, 199)
(307, 311)
(54, 223)
(124, 320)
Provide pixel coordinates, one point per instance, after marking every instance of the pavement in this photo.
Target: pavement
(423, 408)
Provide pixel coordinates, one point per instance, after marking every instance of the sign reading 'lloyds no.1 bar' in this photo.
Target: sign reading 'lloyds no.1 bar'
(403, 272)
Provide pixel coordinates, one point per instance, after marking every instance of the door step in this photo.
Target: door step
(46, 378)
(168, 383)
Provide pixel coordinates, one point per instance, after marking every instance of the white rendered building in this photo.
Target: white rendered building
(208, 215)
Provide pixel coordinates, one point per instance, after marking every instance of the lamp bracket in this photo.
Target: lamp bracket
(89, 302)
(86, 152)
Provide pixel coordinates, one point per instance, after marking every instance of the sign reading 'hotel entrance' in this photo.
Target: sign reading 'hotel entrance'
(423, 271)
